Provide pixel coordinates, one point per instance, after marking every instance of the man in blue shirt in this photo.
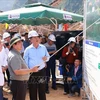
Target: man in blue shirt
(75, 78)
(26, 42)
(36, 54)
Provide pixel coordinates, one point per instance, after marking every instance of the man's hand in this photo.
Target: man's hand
(69, 79)
(67, 68)
(35, 69)
(68, 51)
(74, 54)
(78, 39)
(44, 58)
(4, 68)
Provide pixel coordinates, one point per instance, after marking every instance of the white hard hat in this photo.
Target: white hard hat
(5, 35)
(32, 34)
(17, 35)
(52, 37)
(71, 39)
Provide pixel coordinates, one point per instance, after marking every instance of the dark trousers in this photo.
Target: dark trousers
(65, 76)
(51, 68)
(1, 93)
(66, 88)
(74, 88)
(37, 85)
(8, 76)
(18, 89)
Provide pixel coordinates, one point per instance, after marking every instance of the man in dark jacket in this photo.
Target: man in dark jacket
(75, 79)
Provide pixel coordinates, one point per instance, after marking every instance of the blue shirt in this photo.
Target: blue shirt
(26, 44)
(33, 56)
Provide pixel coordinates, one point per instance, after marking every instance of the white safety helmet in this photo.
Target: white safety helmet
(32, 34)
(71, 39)
(52, 37)
(17, 35)
(5, 35)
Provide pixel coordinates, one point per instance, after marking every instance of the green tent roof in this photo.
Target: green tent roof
(36, 14)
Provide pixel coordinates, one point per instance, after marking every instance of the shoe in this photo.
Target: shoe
(77, 94)
(47, 92)
(71, 95)
(65, 93)
(54, 88)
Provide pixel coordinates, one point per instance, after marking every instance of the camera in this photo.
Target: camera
(71, 50)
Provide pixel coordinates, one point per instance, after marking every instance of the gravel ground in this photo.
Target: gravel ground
(54, 94)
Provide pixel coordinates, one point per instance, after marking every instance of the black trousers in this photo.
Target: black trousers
(51, 67)
(18, 89)
(37, 85)
(8, 76)
(1, 93)
(73, 87)
(66, 88)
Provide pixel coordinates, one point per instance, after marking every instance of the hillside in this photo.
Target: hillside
(75, 6)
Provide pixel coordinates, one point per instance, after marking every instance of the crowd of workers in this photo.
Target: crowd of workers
(26, 61)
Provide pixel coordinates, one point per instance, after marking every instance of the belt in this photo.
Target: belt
(22, 81)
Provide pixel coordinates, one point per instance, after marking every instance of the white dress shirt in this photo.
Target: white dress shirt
(3, 57)
(75, 71)
(1, 77)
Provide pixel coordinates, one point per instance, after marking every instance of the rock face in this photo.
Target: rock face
(75, 6)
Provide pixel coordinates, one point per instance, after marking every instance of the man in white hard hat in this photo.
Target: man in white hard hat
(69, 53)
(7, 38)
(36, 55)
(51, 66)
(1, 73)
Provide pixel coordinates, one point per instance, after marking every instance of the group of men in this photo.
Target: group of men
(33, 66)
(29, 68)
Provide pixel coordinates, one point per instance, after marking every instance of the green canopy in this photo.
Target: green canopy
(36, 14)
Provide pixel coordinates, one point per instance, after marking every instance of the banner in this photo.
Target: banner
(92, 48)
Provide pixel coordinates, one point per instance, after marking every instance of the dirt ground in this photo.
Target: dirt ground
(54, 94)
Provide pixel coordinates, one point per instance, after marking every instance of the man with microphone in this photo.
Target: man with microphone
(36, 55)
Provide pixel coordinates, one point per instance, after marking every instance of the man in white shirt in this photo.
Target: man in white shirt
(36, 55)
(1, 83)
(1, 73)
(6, 38)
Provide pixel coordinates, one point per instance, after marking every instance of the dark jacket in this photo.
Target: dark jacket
(78, 77)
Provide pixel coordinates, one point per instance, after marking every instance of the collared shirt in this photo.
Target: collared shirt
(26, 44)
(33, 56)
(1, 77)
(75, 70)
(3, 57)
(16, 62)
